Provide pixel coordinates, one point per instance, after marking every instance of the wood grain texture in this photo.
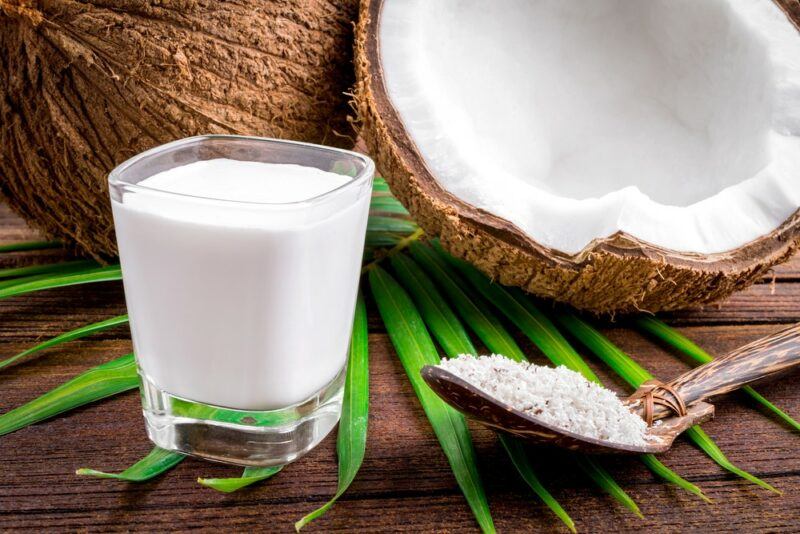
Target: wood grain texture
(760, 303)
(405, 483)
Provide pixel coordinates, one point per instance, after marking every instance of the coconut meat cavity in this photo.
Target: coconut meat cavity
(558, 397)
(676, 122)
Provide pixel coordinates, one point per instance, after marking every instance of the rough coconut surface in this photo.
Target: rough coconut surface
(86, 85)
(558, 397)
(616, 274)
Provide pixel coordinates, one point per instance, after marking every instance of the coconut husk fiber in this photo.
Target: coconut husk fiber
(86, 85)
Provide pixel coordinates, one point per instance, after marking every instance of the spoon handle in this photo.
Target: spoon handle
(759, 359)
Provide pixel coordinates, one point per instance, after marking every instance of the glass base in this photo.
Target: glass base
(247, 438)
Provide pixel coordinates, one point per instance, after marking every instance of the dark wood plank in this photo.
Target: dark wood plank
(405, 483)
(789, 271)
(49, 313)
(403, 468)
(13, 230)
(759, 303)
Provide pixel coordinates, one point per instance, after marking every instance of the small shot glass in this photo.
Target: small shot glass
(241, 312)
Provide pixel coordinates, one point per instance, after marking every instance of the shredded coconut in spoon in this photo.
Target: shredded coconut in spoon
(559, 397)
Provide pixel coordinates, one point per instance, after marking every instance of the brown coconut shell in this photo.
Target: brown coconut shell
(86, 85)
(619, 273)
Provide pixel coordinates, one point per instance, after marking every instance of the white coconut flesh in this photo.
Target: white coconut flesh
(674, 121)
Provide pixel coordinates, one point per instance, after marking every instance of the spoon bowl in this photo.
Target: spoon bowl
(502, 417)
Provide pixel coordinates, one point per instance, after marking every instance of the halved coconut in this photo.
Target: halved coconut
(617, 155)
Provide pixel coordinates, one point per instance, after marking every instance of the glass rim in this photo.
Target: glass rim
(114, 178)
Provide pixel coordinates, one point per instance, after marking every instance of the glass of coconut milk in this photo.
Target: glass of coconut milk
(241, 259)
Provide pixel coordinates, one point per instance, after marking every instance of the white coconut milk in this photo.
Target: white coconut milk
(241, 304)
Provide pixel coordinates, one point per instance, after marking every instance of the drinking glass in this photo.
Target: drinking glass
(240, 312)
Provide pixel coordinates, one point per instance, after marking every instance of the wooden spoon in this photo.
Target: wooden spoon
(760, 359)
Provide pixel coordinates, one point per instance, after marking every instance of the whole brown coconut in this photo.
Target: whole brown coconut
(614, 274)
(86, 85)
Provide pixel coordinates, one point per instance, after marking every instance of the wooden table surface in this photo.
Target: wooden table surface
(405, 483)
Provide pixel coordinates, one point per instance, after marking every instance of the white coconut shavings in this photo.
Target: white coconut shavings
(559, 397)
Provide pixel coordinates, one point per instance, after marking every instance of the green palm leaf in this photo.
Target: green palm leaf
(519, 457)
(704, 441)
(381, 224)
(381, 239)
(437, 314)
(472, 308)
(68, 336)
(97, 383)
(379, 185)
(29, 245)
(158, 461)
(351, 442)
(29, 284)
(659, 469)
(250, 475)
(603, 479)
(526, 316)
(47, 268)
(63, 269)
(387, 204)
(415, 349)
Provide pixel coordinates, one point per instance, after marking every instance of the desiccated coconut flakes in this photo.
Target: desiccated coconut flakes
(557, 396)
